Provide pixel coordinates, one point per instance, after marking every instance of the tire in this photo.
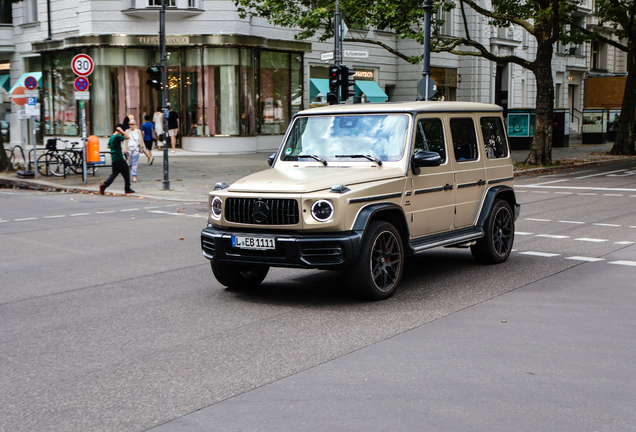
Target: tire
(48, 164)
(64, 167)
(377, 272)
(239, 275)
(499, 235)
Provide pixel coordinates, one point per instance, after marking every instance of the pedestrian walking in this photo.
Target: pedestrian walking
(118, 158)
(157, 119)
(173, 128)
(148, 130)
(135, 145)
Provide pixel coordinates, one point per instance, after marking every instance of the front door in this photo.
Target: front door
(470, 172)
(431, 205)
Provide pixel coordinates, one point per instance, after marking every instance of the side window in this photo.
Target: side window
(429, 136)
(494, 139)
(464, 139)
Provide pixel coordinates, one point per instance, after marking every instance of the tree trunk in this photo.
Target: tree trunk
(541, 150)
(625, 137)
(4, 159)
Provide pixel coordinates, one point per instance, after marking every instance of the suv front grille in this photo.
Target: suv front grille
(208, 245)
(261, 211)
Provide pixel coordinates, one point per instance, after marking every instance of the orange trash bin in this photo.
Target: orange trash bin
(92, 149)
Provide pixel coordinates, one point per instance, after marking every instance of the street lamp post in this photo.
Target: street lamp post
(426, 58)
(164, 92)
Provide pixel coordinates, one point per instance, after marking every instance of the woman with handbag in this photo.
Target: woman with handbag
(135, 145)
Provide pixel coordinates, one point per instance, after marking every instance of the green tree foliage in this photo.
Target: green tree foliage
(541, 18)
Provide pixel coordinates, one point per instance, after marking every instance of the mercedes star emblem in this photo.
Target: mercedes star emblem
(260, 211)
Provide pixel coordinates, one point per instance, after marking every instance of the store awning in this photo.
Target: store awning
(4, 82)
(318, 85)
(371, 90)
(20, 82)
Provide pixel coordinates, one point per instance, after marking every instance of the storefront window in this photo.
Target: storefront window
(248, 125)
(221, 69)
(193, 93)
(105, 90)
(139, 96)
(275, 92)
(60, 94)
(296, 83)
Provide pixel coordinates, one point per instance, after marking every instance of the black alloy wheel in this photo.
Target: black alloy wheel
(499, 234)
(377, 272)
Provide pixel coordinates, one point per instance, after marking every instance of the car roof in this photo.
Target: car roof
(397, 107)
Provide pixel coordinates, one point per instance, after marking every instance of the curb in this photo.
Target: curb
(518, 173)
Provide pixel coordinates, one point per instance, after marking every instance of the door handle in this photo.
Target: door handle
(481, 183)
(448, 187)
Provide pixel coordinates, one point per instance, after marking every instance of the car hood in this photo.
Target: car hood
(311, 178)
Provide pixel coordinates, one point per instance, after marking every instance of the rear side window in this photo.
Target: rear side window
(429, 136)
(464, 139)
(494, 139)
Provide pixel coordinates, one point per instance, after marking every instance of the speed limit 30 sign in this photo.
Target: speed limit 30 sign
(82, 65)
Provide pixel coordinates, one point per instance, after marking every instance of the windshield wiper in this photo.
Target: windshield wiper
(314, 157)
(371, 158)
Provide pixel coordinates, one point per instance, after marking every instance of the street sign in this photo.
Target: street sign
(81, 84)
(326, 56)
(31, 83)
(82, 95)
(21, 114)
(356, 54)
(32, 107)
(82, 65)
(18, 97)
(343, 30)
(31, 93)
(432, 87)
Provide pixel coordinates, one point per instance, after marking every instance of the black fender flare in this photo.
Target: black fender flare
(397, 218)
(494, 193)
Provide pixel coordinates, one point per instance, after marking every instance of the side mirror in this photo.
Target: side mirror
(426, 159)
(271, 158)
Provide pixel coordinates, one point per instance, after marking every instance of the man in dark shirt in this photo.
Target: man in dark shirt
(173, 128)
(118, 159)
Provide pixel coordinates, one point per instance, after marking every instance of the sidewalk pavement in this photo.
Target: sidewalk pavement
(194, 174)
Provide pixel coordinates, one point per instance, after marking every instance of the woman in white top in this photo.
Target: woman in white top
(135, 144)
(157, 119)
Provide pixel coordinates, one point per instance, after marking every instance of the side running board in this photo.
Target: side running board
(446, 239)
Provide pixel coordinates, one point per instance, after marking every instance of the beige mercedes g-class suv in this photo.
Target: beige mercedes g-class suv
(360, 187)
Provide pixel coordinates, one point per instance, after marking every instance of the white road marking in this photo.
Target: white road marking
(572, 222)
(600, 174)
(157, 211)
(607, 225)
(151, 207)
(553, 236)
(521, 233)
(525, 192)
(626, 263)
(553, 181)
(539, 192)
(127, 210)
(176, 214)
(593, 240)
(588, 194)
(198, 216)
(3, 221)
(632, 226)
(54, 217)
(104, 212)
(24, 219)
(79, 214)
(580, 258)
(541, 254)
(562, 193)
(613, 195)
(538, 220)
(624, 243)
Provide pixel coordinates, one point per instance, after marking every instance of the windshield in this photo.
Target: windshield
(379, 135)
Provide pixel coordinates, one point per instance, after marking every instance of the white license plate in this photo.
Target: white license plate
(257, 243)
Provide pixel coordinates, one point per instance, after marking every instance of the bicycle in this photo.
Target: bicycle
(77, 160)
(54, 162)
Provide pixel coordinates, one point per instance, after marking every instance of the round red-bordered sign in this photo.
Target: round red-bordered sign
(81, 83)
(31, 83)
(82, 65)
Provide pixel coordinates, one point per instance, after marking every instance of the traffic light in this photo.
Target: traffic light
(334, 85)
(155, 77)
(346, 82)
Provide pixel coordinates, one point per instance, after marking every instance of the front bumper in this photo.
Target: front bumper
(293, 249)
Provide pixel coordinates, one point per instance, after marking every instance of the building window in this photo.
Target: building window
(60, 111)
(30, 11)
(6, 12)
(445, 22)
(599, 56)
(159, 3)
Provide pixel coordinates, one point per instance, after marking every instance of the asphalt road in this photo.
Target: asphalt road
(110, 319)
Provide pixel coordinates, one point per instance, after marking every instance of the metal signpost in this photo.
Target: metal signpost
(82, 65)
(164, 92)
(31, 110)
(427, 86)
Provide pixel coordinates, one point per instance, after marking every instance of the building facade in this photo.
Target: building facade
(236, 83)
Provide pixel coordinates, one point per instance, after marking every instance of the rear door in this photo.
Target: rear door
(430, 205)
(498, 163)
(470, 171)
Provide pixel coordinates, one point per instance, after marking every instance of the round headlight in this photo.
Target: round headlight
(216, 207)
(322, 210)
